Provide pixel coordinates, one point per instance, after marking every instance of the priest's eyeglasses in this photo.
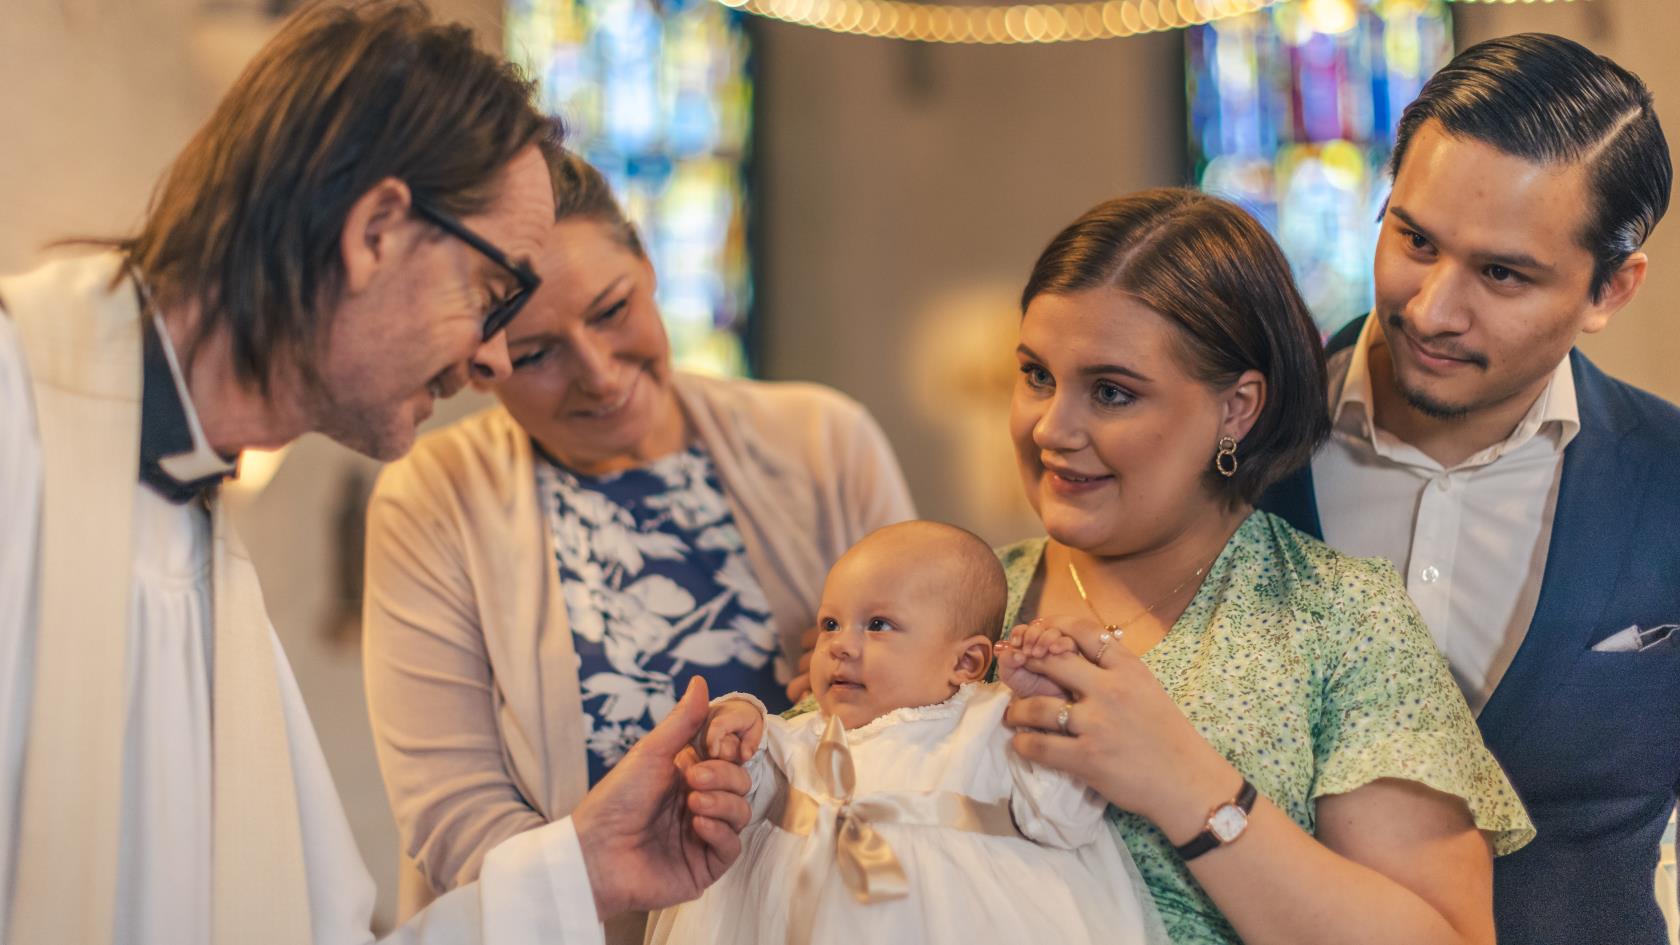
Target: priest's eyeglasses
(503, 310)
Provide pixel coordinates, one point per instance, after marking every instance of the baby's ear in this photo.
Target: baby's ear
(973, 660)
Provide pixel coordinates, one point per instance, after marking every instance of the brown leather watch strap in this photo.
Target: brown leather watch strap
(1207, 840)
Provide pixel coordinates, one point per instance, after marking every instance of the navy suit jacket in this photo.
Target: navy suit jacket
(1591, 740)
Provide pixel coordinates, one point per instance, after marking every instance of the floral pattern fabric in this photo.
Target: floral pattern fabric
(658, 590)
(1311, 672)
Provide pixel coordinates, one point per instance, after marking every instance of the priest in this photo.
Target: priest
(341, 244)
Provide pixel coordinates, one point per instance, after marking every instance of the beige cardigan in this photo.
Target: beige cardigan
(471, 678)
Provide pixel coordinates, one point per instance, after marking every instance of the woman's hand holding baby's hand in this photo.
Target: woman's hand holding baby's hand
(1120, 732)
(1034, 640)
(734, 728)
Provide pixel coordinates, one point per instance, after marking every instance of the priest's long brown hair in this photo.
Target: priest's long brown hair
(247, 221)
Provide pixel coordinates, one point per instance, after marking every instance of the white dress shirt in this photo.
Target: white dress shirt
(534, 887)
(1471, 540)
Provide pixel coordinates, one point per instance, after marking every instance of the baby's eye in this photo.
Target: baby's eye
(880, 623)
(829, 623)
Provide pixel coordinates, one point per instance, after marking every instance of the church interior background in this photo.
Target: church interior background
(855, 205)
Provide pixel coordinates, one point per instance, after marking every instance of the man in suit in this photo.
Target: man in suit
(1531, 502)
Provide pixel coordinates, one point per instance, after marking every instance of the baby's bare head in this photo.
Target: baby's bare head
(936, 562)
(908, 615)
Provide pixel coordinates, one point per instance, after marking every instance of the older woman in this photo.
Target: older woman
(545, 578)
(1288, 757)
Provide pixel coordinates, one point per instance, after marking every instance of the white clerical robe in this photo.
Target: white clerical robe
(533, 889)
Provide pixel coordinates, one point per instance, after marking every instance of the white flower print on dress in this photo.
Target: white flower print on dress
(708, 647)
(584, 611)
(596, 510)
(629, 690)
(737, 575)
(685, 472)
(757, 641)
(610, 742)
(659, 545)
(571, 540)
(658, 589)
(725, 537)
(694, 508)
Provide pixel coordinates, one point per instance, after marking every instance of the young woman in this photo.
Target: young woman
(1169, 373)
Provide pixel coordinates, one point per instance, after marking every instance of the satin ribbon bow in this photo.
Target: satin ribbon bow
(867, 864)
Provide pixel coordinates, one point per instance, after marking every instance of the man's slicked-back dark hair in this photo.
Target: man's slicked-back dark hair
(1550, 100)
(247, 222)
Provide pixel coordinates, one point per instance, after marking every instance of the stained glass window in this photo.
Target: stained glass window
(659, 97)
(1292, 115)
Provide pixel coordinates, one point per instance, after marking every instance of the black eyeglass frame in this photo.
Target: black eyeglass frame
(502, 312)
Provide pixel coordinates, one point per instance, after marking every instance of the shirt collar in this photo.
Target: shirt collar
(1555, 412)
(176, 460)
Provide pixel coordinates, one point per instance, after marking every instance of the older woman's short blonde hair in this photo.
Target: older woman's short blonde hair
(581, 192)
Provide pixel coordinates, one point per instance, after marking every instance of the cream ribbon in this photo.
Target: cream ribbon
(867, 864)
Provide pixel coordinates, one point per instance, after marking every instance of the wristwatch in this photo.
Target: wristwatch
(1225, 823)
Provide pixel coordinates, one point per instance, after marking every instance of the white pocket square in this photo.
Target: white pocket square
(1635, 638)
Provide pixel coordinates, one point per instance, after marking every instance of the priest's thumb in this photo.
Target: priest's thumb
(677, 730)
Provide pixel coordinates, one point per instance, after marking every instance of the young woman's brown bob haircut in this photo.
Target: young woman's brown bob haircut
(1211, 270)
(246, 223)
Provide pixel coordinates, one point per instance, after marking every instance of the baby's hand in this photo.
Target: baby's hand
(733, 730)
(1031, 641)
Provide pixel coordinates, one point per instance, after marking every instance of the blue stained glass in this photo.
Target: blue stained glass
(1292, 115)
(659, 97)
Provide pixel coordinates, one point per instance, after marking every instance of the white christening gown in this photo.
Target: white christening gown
(939, 786)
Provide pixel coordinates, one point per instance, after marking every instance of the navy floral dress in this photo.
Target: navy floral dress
(658, 590)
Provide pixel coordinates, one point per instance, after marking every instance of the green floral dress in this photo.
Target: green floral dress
(1312, 672)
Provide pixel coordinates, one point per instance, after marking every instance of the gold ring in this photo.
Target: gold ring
(1062, 718)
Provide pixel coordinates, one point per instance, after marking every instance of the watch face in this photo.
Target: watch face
(1228, 823)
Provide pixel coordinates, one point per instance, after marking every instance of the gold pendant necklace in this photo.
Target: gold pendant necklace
(1113, 631)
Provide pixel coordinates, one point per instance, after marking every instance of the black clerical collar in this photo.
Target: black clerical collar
(176, 461)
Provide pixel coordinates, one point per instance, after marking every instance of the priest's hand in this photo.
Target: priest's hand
(662, 825)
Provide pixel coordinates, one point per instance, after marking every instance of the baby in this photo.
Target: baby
(899, 813)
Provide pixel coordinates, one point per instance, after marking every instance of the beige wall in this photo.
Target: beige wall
(905, 192)
(95, 98)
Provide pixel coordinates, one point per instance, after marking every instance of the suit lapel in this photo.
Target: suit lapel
(1295, 498)
(1587, 552)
